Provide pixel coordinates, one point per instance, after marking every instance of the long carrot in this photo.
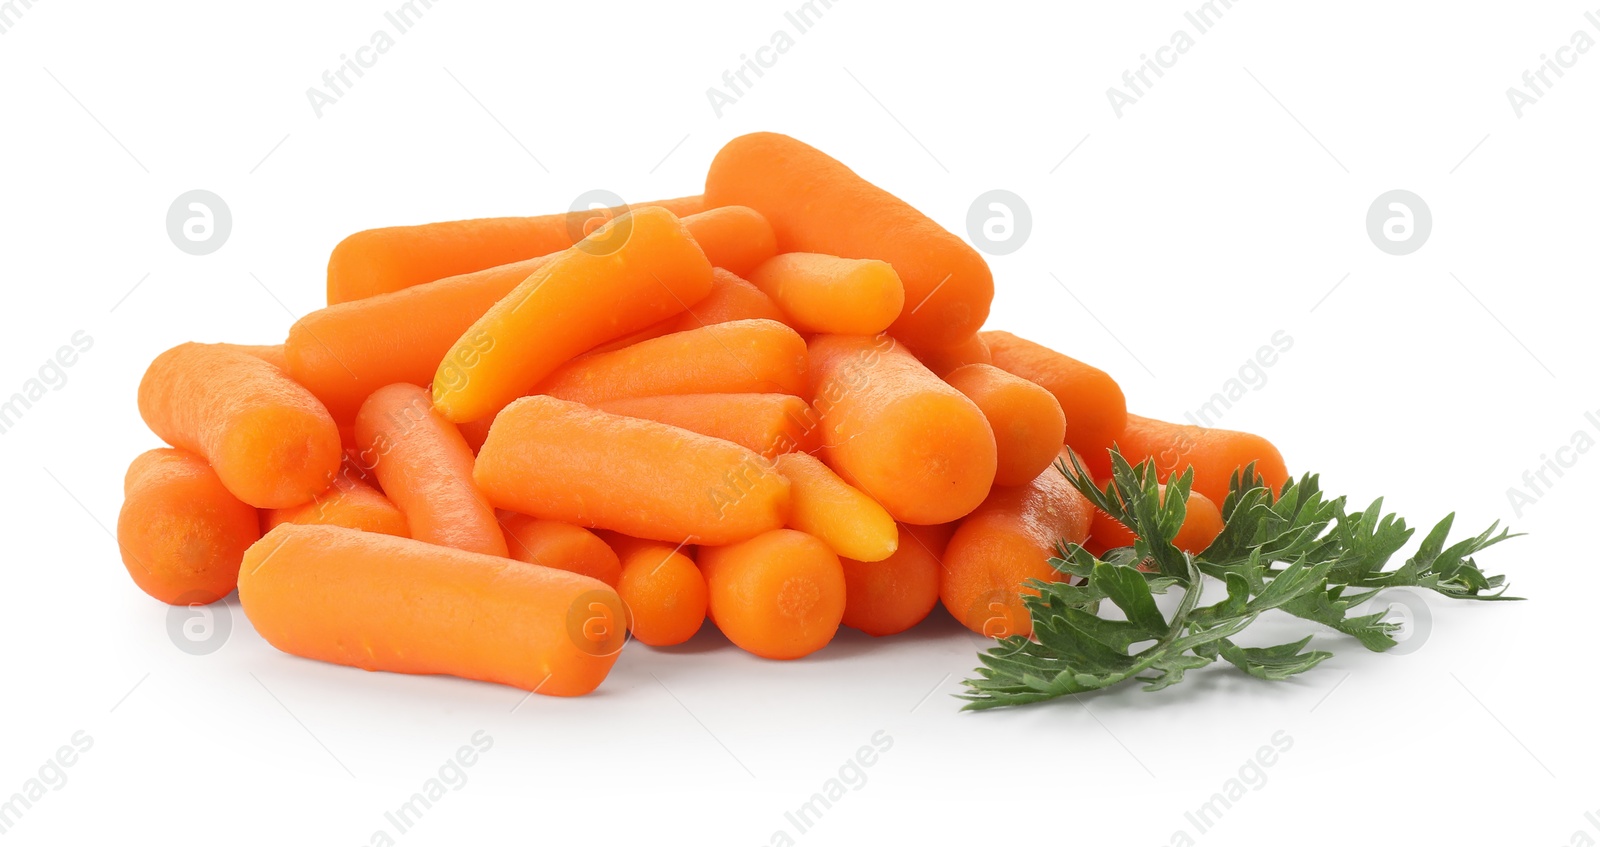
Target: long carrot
(663, 590)
(559, 460)
(1202, 523)
(821, 293)
(735, 238)
(769, 424)
(349, 502)
(270, 441)
(637, 269)
(1215, 454)
(180, 532)
(1095, 408)
(732, 298)
(378, 261)
(897, 432)
(1027, 420)
(426, 470)
(779, 595)
(384, 603)
(817, 205)
(559, 545)
(825, 506)
(738, 357)
(896, 594)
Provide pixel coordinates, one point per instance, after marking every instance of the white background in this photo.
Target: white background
(1223, 206)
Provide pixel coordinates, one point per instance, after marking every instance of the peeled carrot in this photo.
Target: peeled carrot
(269, 440)
(378, 261)
(1215, 454)
(735, 238)
(779, 595)
(738, 357)
(896, 594)
(181, 533)
(1007, 540)
(349, 502)
(426, 470)
(663, 590)
(825, 506)
(1027, 420)
(1202, 523)
(821, 293)
(897, 432)
(637, 269)
(731, 299)
(272, 354)
(384, 603)
(1095, 408)
(817, 205)
(769, 424)
(554, 459)
(563, 546)
(943, 360)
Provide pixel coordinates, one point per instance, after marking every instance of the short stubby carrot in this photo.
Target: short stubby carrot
(384, 603)
(896, 594)
(1202, 523)
(559, 460)
(181, 533)
(378, 261)
(349, 502)
(1007, 540)
(738, 357)
(564, 546)
(823, 505)
(779, 595)
(817, 205)
(1027, 420)
(734, 238)
(635, 270)
(271, 441)
(732, 298)
(1095, 408)
(770, 424)
(942, 360)
(1215, 454)
(426, 470)
(662, 589)
(821, 293)
(897, 432)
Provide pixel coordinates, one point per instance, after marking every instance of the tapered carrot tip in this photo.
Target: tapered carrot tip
(180, 532)
(896, 594)
(383, 603)
(1215, 454)
(663, 590)
(821, 293)
(271, 442)
(1202, 523)
(779, 595)
(1027, 420)
(825, 506)
(563, 546)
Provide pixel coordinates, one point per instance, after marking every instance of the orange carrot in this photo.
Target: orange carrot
(378, 261)
(1009, 539)
(1215, 454)
(426, 470)
(738, 357)
(180, 532)
(271, 442)
(637, 269)
(272, 354)
(896, 594)
(1091, 399)
(475, 432)
(559, 460)
(769, 424)
(897, 432)
(1202, 523)
(817, 205)
(384, 603)
(1027, 420)
(349, 502)
(563, 546)
(735, 238)
(825, 506)
(942, 360)
(663, 590)
(779, 595)
(821, 293)
(731, 299)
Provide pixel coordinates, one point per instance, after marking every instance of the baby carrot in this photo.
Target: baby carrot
(1092, 400)
(1007, 540)
(637, 269)
(1214, 453)
(731, 299)
(738, 357)
(1027, 421)
(272, 354)
(896, 594)
(817, 205)
(180, 532)
(1202, 523)
(942, 360)
(378, 261)
(349, 502)
(779, 595)
(426, 470)
(559, 460)
(662, 589)
(270, 441)
(735, 238)
(897, 432)
(769, 424)
(821, 293)
(383, 603)
(563, 546)
(825, 506)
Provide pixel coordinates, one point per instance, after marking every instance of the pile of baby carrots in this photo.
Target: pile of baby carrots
(508, 445)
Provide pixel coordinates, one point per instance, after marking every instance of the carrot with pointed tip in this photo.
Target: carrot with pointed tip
(662, 589)
(1093, 402)
(779, 595)
(1027, 420)
(738, 357)
(896, 594)
(348, 502)
(769, 424)
(825, 506)
(821, 293)
(1215, 454)
(559, 545)
(181, 533)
